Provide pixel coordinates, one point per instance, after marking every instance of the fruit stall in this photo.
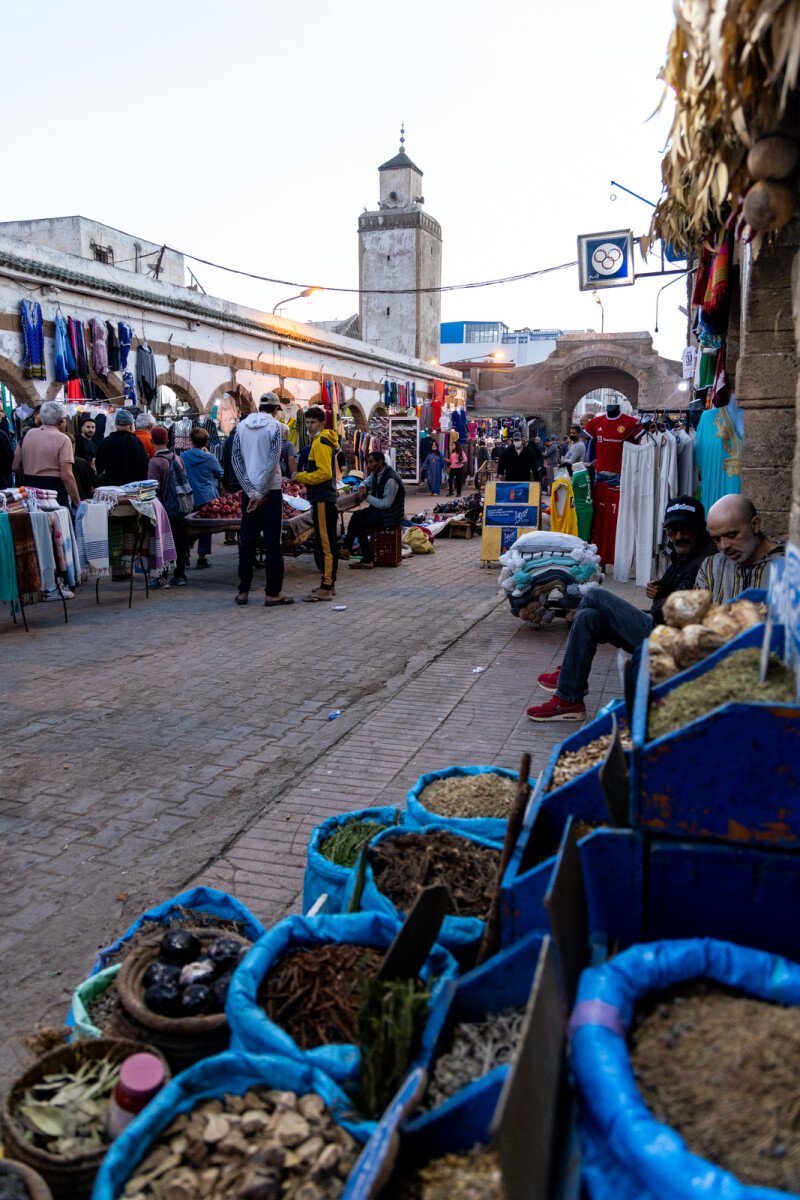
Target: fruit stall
(224, 515)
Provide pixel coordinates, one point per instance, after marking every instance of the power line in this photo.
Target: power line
(452, 287)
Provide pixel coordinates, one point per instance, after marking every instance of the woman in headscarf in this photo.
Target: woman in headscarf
(432, 469)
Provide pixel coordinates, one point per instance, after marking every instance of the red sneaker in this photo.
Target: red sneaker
(549, 683)
(556, 709)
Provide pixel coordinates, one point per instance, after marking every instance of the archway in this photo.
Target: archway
(597, 401)
(185, 394)
(23, 390)
(174, 402)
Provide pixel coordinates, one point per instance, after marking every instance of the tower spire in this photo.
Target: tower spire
(402, 137)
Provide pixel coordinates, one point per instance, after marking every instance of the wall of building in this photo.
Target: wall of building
(203, 346)
(767, 378)
(429, 304)
(78, 235)
(388, 258)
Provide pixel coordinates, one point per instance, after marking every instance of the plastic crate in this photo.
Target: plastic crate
(387, 545)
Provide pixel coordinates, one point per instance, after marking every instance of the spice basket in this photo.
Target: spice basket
(252, 1031)
(460, 935)
(627, 1153)
(710, 777)
(503, 981)
(37, 1188)
(182, 1040)
(200, 899)
(493, 828)
(67, 1178)
(226, 1073)
(325, 877)
(82, 999)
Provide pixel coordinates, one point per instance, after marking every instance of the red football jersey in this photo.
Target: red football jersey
(610, 433)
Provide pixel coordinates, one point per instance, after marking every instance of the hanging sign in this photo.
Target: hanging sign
(605, 260)
(509, 510)
(689, 359)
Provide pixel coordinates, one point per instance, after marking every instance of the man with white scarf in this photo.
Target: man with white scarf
(255, 460)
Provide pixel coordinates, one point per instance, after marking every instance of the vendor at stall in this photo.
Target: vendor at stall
(319, 480)
(385, 494)
(44, 457)
(204, 475)
(744, 551)
(604, 618)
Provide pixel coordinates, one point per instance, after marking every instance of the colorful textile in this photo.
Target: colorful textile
(562, 507)
(718, 452)
(91, 537)
(99, 347)
(128, 387)
(29, 581)
(64, 356)
(125, 334)
(161, 549)
(582, 491)
(8, 570)
(32, 339)
(45, 555)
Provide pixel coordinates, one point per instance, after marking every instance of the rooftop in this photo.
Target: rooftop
(400, 160)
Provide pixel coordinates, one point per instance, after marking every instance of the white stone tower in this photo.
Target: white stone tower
(400, 247)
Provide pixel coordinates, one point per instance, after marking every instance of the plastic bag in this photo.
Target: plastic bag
(418, 540)
(493, 828)
(460, 935)
(204, 899)
(88, 991)
(323, 876)
(229, 1072)
(627, 1153)
(252, 1032)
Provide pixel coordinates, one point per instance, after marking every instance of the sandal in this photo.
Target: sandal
(241, 599)
(278, 603)
(318, 597)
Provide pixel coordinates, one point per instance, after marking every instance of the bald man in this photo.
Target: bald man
(744, 551)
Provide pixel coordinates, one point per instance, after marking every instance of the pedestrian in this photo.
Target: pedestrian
(319, 480)
(482, 464)
(256, 462)
(121, 457)
(576, 450)
(432, 468)
(457, 462)
(163, 464)
(204, 474)
(144, 424)
(551, 457)
(86, 442)
(494, 460)
(518, 463)
(44, 457)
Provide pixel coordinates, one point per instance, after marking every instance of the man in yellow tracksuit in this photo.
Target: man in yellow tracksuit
(319, 480)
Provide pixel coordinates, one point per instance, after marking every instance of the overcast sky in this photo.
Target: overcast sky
(249, 133)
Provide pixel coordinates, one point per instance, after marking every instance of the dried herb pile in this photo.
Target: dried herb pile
(11, 1186)
(486, 795)
(403, 866)
(472, 1175)
(65, 1112)
(390, 1024)
(572, 763)
(345, 845)
(733, 679)
(721, 1069)
(260, 1146)
(103, 1008)
(314, 993)
(477, 1048)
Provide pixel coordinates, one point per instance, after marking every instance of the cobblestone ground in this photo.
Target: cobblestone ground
(187, 740)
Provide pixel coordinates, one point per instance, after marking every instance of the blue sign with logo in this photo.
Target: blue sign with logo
(605, 259)
(517, 514)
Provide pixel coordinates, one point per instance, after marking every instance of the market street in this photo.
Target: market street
(189, 741)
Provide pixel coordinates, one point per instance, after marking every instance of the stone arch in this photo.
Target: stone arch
(222, 389)
(359, 416)
(108, 388)
(22, 389)
(179, 384)
(590, 372)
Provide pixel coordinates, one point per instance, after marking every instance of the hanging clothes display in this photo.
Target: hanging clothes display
(32, 339)
(125, 337)
(99, 348)
(146, 372)
(563, 518)
(128, 388)
(64, 356)
(635, 524)
(582, 491)
(605, 499)
(610, 434)
(667, 482)
(9, 592)
(77, 340)
(112, 347)
(718, 454)
(686, 471)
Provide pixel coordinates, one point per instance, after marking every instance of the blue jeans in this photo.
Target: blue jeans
(268, 521)
(601, 618)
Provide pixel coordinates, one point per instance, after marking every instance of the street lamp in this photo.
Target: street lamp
(300, 296)
(496, 355)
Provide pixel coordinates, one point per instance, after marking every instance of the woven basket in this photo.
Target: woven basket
(66, 1178)
(37, 1188)
(182, 1040)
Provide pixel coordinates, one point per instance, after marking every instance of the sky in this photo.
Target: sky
(249, 133)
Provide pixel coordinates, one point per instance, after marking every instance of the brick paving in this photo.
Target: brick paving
(187, 740)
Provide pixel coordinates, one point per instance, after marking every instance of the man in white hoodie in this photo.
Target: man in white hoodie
(255, 459)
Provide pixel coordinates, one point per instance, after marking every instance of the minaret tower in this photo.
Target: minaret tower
(400, 249)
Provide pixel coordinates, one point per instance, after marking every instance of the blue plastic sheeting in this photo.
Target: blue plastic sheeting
(627, 1154)
(460, 935)
(324, 877)
(503, 981)
(252, 1032)
(213, 1077)
(204, 899)
(493, 828)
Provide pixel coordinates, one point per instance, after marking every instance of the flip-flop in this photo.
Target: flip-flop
(312, 599)
(240, 600)
(278, 603)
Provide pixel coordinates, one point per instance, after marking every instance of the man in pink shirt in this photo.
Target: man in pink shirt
(44, 457)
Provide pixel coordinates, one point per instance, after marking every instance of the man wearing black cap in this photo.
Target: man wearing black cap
(603, 617)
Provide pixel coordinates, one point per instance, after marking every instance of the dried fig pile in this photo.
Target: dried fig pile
(694, 628)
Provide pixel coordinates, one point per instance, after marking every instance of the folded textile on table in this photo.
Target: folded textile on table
(45, 555)
(161, 549)
(91, 536)
(29, 581)
(545, 542)
(65, 546)
(107, 495)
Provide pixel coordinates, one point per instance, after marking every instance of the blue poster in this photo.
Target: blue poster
(516, 515)
(512, 493)
(507, 538)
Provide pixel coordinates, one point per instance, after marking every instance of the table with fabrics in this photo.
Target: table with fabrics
(119, 529)
(38, 552)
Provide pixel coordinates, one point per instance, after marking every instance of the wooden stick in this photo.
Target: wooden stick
(491, 933)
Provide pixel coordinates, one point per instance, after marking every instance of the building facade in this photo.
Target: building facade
(84, 238)
(460, 340)
(400, 249)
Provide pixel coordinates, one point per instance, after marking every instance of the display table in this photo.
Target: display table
(124, 511)
(296, 530)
